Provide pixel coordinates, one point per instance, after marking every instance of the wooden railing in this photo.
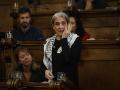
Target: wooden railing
(21, 85)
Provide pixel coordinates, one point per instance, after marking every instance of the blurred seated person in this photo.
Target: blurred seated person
(24, 31)
(88, 4)
(77, 26)
(91, 4)
(99, 4)
(26, 64)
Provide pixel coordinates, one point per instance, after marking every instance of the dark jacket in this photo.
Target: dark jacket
(31, 34)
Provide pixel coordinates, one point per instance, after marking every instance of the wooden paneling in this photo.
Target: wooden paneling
(99, 63)
(43, 21)
(101, 21)
(6, 2)
(99, 67)
(100, 75)
(5, 19)
(21, 85)
(49, 8)
(105, 33)
(101, 50)
(53, 1)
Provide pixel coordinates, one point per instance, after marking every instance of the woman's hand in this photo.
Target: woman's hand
(48, 75)
(67, 31)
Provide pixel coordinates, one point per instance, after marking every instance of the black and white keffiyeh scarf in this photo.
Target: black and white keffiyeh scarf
(47, 59)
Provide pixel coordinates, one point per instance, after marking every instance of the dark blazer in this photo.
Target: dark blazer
(31, 34)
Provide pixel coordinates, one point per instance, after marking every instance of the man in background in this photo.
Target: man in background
(24, 31)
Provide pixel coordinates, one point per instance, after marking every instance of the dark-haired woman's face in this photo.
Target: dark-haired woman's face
(73, 23)
(25, 58)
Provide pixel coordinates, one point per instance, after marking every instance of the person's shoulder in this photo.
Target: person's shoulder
(76, 37)
(52, 38)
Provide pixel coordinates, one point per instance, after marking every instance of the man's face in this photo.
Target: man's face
(59, 25)
(24, 20)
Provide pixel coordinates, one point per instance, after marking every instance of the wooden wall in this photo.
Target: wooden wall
(102, 24)
(99, 67)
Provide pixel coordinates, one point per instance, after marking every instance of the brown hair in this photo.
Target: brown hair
(18, 66)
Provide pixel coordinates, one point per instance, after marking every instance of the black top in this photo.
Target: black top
(31, 34)
(67, 61)
(36, 76)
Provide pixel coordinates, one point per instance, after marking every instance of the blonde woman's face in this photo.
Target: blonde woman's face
(25, 58)
(73, 23)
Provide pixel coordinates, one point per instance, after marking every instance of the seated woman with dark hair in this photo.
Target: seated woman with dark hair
(77, 26)
(27, 66)
(91, 4)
